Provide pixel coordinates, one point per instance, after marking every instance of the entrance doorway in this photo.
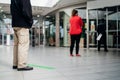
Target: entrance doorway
(112, 17)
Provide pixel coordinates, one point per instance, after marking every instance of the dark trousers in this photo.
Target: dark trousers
(102, 40)
(75, 39)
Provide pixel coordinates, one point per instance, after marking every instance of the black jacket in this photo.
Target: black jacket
(21, 12)
(101, 28)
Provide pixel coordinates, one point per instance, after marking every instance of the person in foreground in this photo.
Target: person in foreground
(75, 31)
(21, 12)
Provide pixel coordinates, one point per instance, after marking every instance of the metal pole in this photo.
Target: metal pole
(117, 27)
(87, 16)
(57, 43)
(44, 35)
(107, 25)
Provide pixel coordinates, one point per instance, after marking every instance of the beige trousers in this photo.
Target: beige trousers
(21, 46)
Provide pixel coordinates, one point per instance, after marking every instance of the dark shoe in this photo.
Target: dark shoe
(98, 50)
(25, 68)
(106, 50)
(71, 55)
(78, 55)
(14, 67)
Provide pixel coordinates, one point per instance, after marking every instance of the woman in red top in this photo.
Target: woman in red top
(75, 31)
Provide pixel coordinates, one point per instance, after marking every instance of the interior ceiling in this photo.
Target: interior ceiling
(45, 10)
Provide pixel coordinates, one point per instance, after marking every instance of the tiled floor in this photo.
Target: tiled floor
(51, 63)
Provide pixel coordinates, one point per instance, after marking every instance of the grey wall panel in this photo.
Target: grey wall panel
(102, 3)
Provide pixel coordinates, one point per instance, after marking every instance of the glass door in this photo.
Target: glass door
(50, 29)
(92, 28)
(101, 13)
(112, 17)
(118, 27)
(112, 27)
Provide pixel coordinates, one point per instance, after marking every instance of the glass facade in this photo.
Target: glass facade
(64, 29)
(92, 27)
(112, 17)
(118, 27)
(48, 32)
(110, 14)
(50, 29)
(83, 39)
(6, 31)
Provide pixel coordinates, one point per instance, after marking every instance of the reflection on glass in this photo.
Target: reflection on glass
(112, 27)
(112, 39)
(50, 30)
(92, 28)
(119, 27)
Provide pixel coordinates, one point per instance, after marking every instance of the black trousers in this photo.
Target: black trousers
(102, 41)
(75, 39)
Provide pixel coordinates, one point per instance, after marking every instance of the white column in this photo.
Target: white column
(8, 40)
(57, 39)
(87, 15)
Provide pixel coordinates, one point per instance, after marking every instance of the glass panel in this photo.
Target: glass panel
(101, 15)
(36, 36)
(102, 20)
(83, 39)
(0, 33)
(92, 28)
(112, 39)
(119, 27)
(112, 27)
(61, 28)
(64, 31)
(49, 24)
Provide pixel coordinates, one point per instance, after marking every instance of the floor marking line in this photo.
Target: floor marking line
(38, 66)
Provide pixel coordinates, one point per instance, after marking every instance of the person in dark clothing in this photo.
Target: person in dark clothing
(75, 31)
(102, 30)
(22, 21)
(33, 37)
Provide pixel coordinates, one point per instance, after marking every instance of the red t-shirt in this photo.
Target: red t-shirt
(76, 24)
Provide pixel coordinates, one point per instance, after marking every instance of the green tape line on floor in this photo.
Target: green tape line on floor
(38, 66)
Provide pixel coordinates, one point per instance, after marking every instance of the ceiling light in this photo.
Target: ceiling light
(38, 15)
(47, 16)
(1, 10)
(4, 16)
